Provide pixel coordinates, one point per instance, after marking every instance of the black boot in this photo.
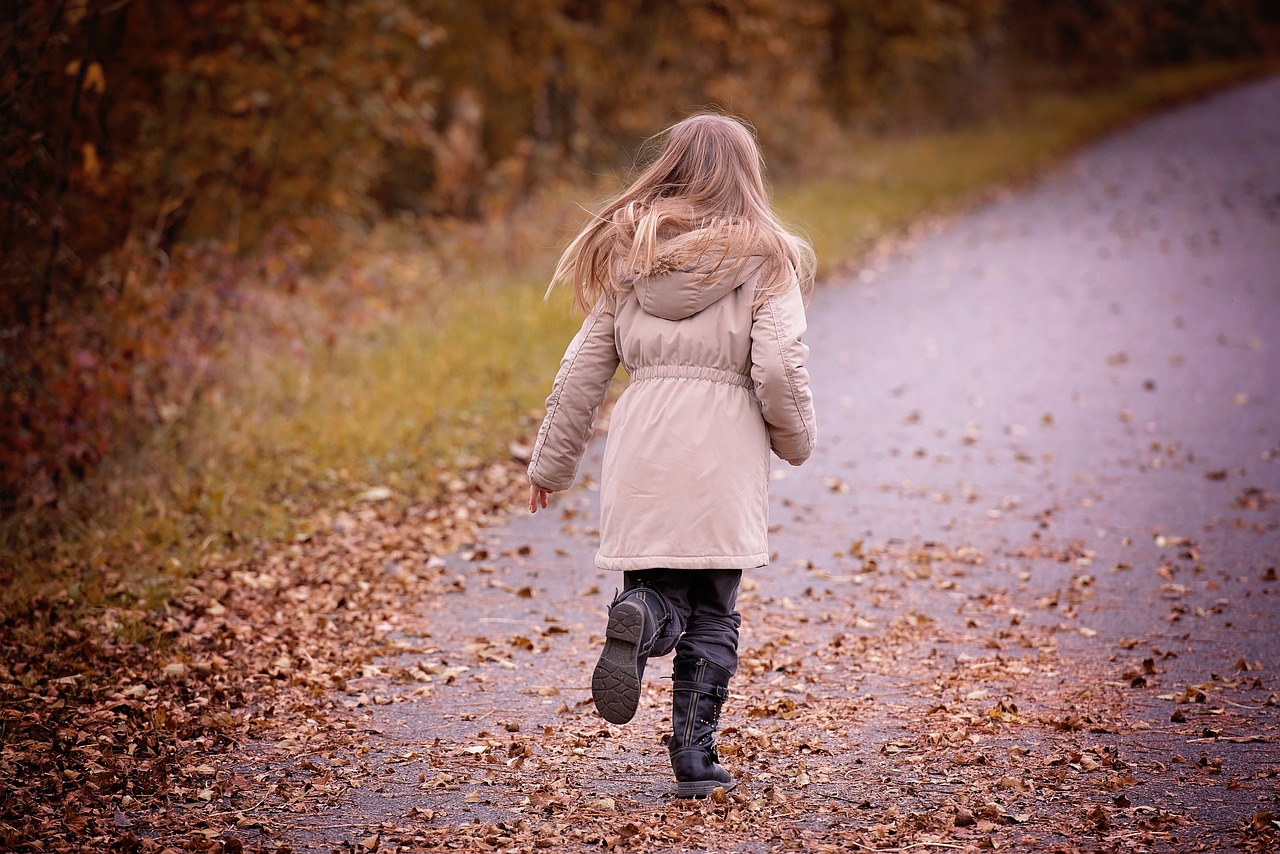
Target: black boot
(636, 617)
(699, 690)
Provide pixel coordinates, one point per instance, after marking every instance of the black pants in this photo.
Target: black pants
(703, 623)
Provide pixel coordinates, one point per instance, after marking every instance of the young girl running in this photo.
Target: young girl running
(691, 283)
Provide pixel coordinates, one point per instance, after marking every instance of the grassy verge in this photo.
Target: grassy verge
(445, 358)
(401, 409)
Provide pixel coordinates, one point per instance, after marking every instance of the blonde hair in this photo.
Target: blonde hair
(703, 193)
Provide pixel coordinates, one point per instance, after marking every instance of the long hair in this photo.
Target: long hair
(704, 194)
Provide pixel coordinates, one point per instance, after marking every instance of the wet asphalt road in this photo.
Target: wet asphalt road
(1079, 382)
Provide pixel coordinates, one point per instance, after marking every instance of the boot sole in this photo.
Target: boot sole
(615, 684)
(703, 788)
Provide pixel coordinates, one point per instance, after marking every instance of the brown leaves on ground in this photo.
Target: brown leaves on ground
(247, 714)
(965, 731)
(113, 719)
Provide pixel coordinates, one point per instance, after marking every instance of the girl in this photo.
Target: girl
(689, 280)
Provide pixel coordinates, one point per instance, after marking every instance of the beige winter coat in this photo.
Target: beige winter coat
(715, 384)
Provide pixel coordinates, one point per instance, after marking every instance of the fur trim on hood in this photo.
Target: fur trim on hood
(711, 250)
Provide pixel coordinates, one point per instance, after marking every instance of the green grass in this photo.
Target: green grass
(403, 406)
(458, 352)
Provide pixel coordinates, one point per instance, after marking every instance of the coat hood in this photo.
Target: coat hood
(689, 274)
(675, 296)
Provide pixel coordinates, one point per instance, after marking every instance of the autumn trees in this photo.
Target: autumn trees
(221, 119)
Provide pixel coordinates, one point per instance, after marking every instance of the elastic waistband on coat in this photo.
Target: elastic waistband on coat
(691, 372)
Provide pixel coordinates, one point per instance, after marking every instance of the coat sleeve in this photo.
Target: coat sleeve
(781, 379)
(580, 385)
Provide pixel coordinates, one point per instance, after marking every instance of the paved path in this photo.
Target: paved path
(1028, 578)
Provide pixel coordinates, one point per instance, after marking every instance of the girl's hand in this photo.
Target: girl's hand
(537, 497)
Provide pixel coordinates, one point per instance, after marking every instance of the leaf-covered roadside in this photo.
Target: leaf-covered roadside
(989, 728)
(111, 719)
(863, 717)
